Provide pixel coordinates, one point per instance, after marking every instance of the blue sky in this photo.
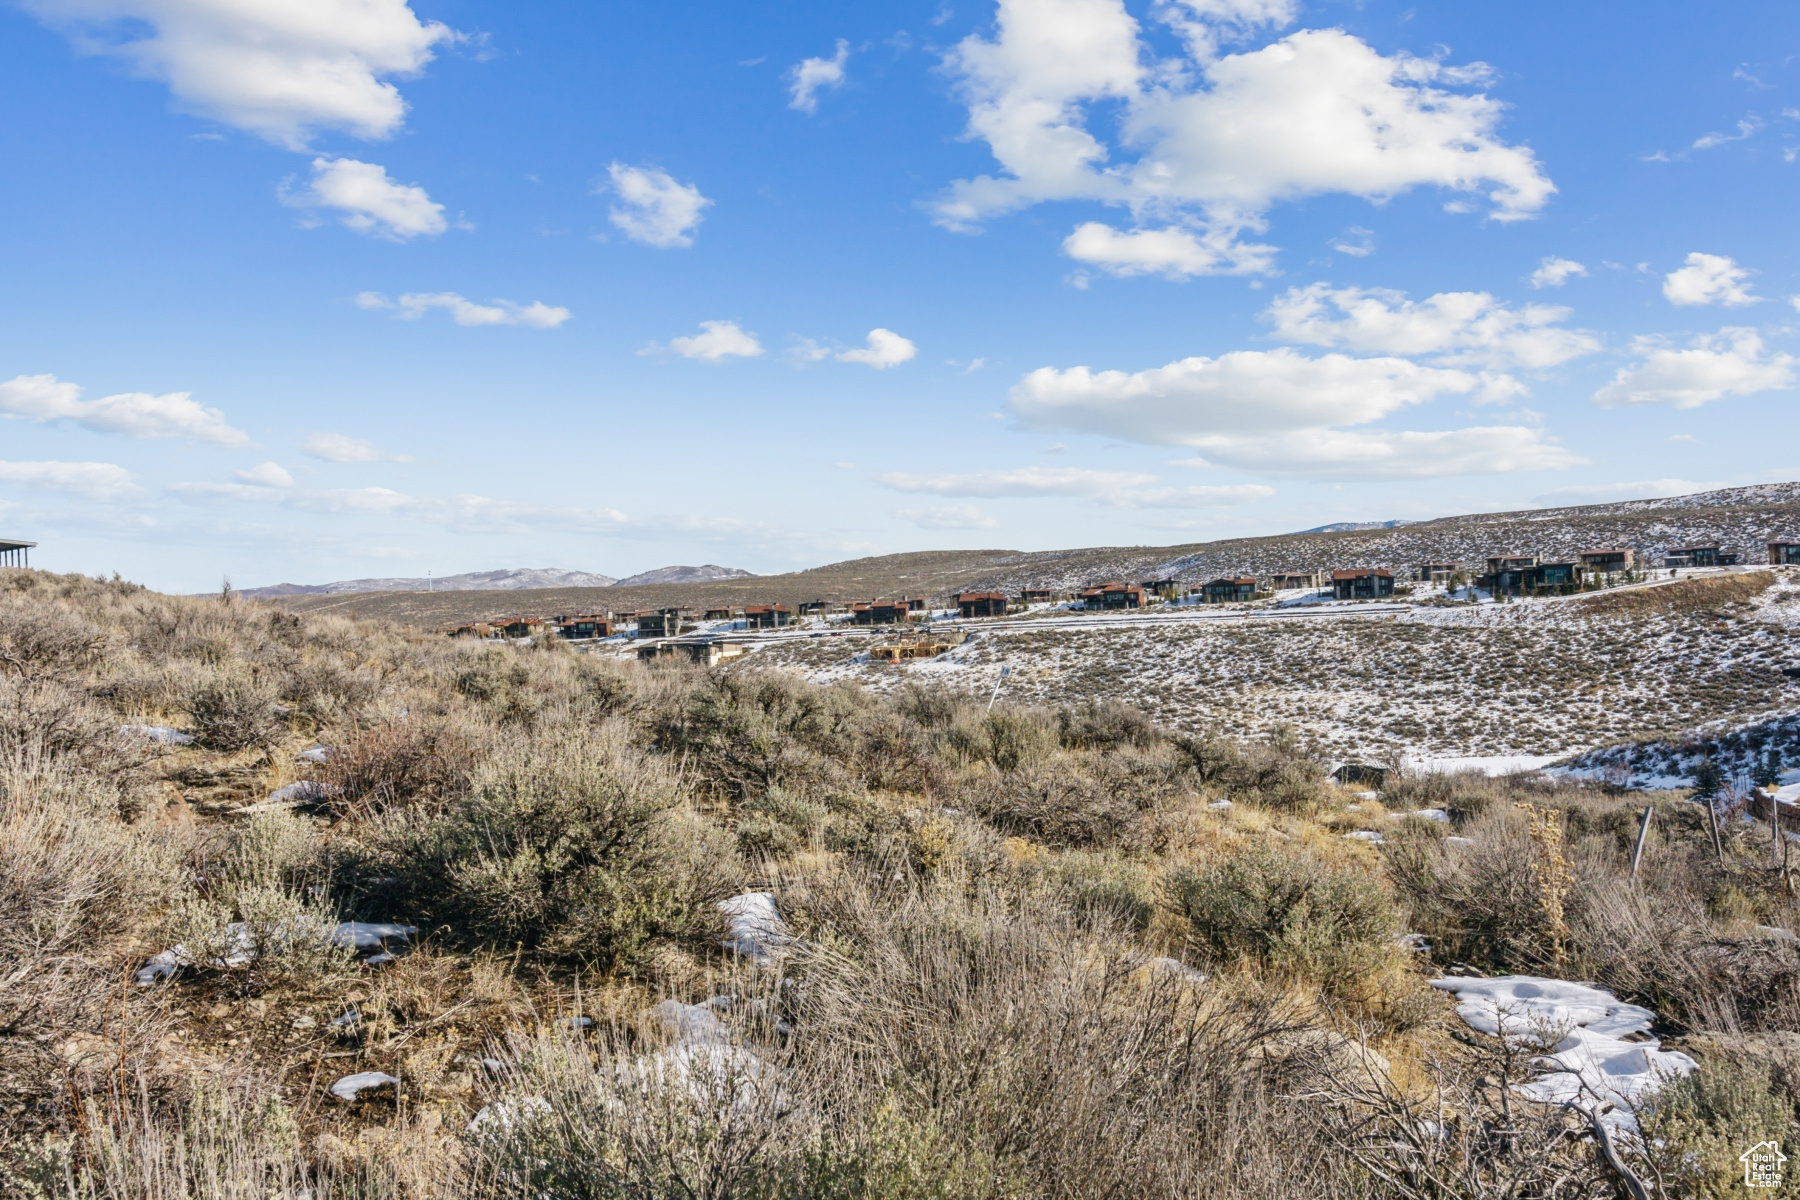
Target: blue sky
(316, 289)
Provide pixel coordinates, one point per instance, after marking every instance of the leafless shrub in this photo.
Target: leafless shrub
(1465, 1133)
(1102, 724)
(1276, 773)
(423, 760)
(39, 640)
(72, 878)
(219, 1137)
(1058, 805)
(1027, 1045)
(48, 722)
(233, 711)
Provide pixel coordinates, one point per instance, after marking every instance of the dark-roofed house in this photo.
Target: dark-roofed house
(1784, 553)
(1285, 581)
(717, 614)
(1157, 587)
(981, 604)
(766, 616)
(583, 628)
(664, 622)
(1608, 562)
(1546, 577)
(1362, 583)
(1112, 595)
(522, 627)
(808, 608)
(1036, 595)
(879, 612)
(15, 553)
(1506, 573)
(1700, 556)
(1231, 589)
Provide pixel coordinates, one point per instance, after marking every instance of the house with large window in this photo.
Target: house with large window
(1230, 589)
(1362, 583)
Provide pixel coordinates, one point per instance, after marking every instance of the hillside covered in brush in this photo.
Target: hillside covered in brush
(306, 906)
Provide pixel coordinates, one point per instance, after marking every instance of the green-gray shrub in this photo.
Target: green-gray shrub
(1290, 911)
(572, 843)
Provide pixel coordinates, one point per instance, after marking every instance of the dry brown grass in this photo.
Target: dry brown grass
(1689, 596)
(974, 1008)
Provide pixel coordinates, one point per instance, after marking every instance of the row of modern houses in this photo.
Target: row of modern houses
(1509, 574)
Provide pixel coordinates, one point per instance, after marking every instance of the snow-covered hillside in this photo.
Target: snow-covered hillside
(1535, 678)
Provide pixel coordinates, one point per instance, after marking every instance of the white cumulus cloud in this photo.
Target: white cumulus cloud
(1554, 272)
(1204, 24)
(91, 480)
(1283, 413)
(954, 516)
(463, 513)
(44, 398)
(368, 200)
(1349, 454)
(1462, 328)
(1218, 140)
(1192, 496)
(1242, 392)
(653, 208)
(1642, 489)
(269, 474)
(1730, 363)
(1024, 481)
(1108, 489)
(280, 69)
(413, 305)
(1173, 251)
(885, 349)
(1708, 279)
(717, 341)
(341, 448)
(811, 74)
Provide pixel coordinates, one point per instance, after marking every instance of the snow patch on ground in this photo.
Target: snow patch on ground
(159, 733)
(1492, 764)
(1589, 1061)
(754, 927)
(350, 1087)
(241, 947)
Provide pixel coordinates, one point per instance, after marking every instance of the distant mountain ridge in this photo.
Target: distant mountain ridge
(513, 580)
(1357, 526)
(707, 574)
